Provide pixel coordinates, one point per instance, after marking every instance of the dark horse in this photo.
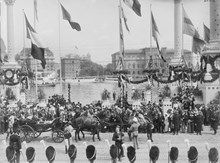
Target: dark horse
(83, 122)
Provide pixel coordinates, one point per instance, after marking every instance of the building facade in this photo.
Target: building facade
(70, 67)
(136, 61)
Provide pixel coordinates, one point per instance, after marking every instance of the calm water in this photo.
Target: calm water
(84, 92)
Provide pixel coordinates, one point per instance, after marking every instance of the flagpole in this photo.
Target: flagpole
(35, 60)
(120, 45)
(60, 47)
(150, 30)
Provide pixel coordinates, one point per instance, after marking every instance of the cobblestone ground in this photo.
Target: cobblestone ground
(142, 153)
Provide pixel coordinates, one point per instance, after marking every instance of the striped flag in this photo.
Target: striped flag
(67, 16)
(198, 43)
(35, 10)
(125, 19)
(156, 36)
(134, 5)
(188, 27)
(206, 33)
(37, 48)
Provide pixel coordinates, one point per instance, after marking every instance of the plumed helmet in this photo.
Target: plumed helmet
(154, 153)
(174, 152)
(213, 155)
(72, 151)
(30, 154)
(131, 154)
(113, 151)
(91, 152)
(10, 154)
(192, 154)
(50, 153)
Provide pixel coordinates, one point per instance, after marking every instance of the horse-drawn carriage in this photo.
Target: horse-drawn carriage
(30, 129)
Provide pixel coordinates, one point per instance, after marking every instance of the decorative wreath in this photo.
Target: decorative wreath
(9, 74)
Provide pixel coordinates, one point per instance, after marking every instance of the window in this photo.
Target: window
(133, 72)
(133, 65)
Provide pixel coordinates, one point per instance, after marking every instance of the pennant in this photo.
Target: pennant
(206, 33)
(125, 19)
(35, 10)
(37, 48)
(156, 36)
(134, 5)
(188, 27)
(67, 16)
(198, 43)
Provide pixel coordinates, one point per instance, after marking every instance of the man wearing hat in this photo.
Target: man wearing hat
(154, 154)
(131, 154)
(192, 155)
(113, 153)
(72, 151)
(50, 154)
(30, 154)
(91, 153)
(213, 155)
(118, 138)
(173, 154)
(134, 132)
(15, 143)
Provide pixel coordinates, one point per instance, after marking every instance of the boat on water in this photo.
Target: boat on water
(99, 79)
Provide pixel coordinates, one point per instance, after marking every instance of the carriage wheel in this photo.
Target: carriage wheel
(37, 134)
(58, 136)
(29, 132)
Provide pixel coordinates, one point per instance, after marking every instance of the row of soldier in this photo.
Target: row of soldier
(13, 152)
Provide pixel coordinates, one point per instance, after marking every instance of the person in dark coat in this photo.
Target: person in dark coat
(91, 153)
(118, 138)
(213, 155)
(192, 155)
(131, 154)
(113, 153)
(15, 143)
(30, 154)
(72, 151)
(176, 122)
(214, 121)
(199, 123)
(154, 154)
(50, 154)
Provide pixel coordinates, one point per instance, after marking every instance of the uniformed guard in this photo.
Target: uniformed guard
(15, 143)
(10, 154)
(91, 153)
(174, 153)
(30, 154)
(213, 155)
(131, 154)
(50, 154)
(154, 154)
(113, 153)
(192, 154)
(72, 151)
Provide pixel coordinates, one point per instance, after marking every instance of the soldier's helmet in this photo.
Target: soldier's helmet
(10, 154)
(50, 153)
(154, 153)
(72, 151)
(91, 152)
(30, 154)
(174, 153)
(113, 152)
(131, 154)
(192, 154)
(213, 155)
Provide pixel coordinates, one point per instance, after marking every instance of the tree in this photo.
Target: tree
(166, 92)
(9, 93)
(136, 95)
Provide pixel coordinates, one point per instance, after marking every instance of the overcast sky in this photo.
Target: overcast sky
(100, 26)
